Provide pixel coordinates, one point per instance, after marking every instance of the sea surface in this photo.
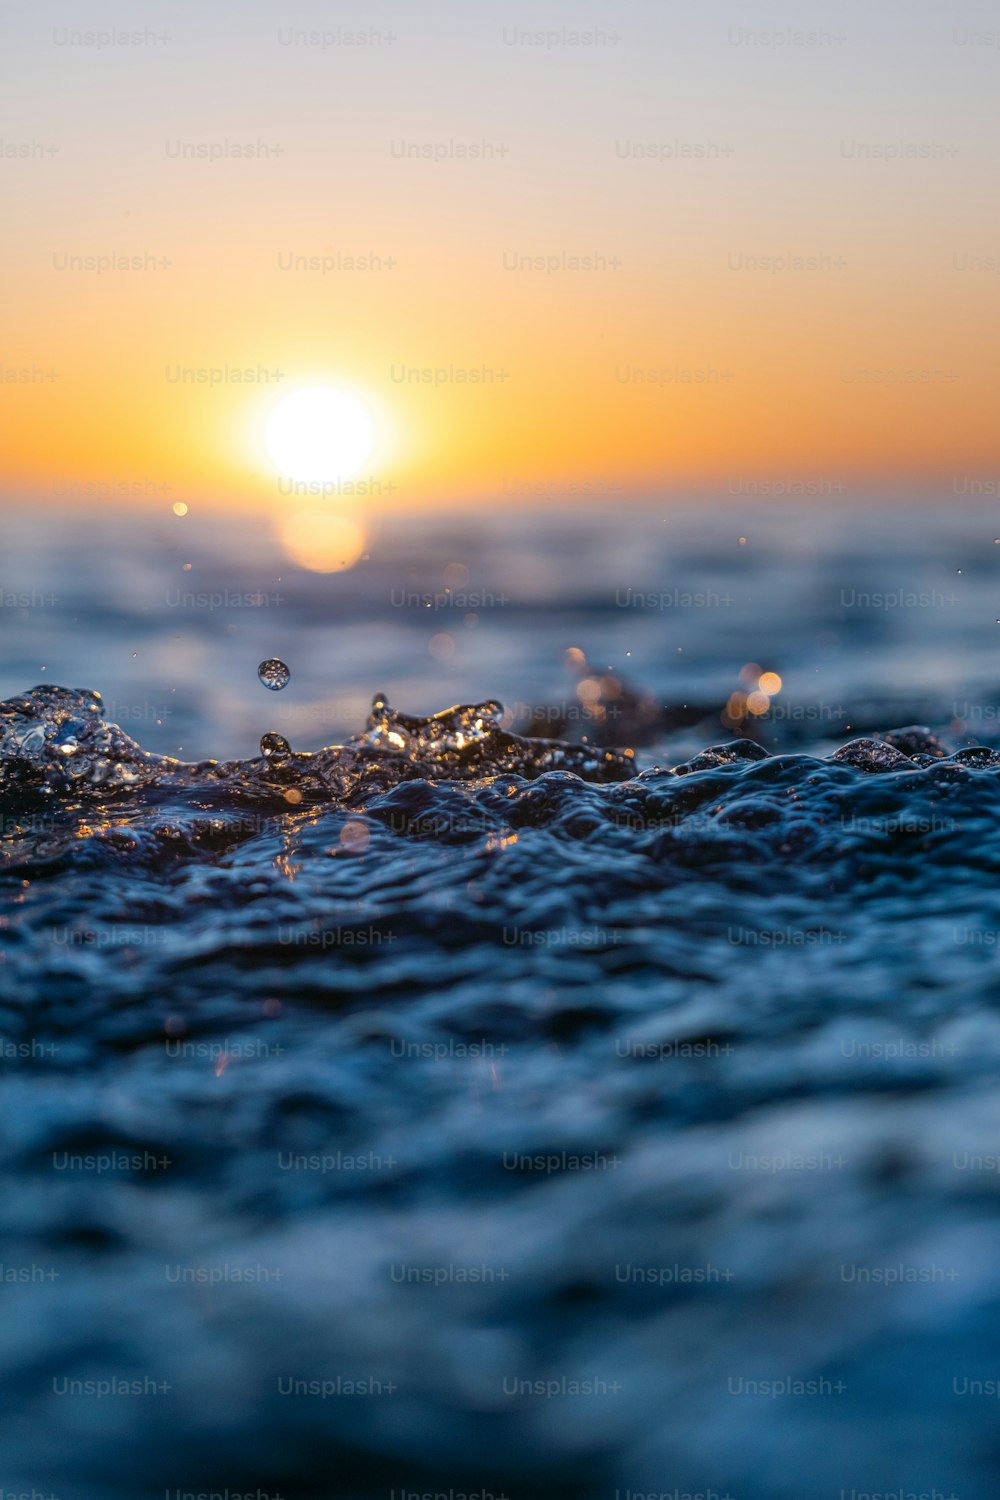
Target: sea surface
(548, 1048)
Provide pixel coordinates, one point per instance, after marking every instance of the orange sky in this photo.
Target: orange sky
(674, 362)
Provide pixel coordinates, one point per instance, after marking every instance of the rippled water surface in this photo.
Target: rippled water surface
(556, 1068)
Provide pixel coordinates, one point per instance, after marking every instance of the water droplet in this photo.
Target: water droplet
(275, 747)
(274, 674)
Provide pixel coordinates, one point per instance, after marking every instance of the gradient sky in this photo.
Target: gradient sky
(875, 362)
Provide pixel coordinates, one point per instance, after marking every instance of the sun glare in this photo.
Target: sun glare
(319, 434)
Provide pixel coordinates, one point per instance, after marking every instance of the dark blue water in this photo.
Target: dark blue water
(427, 1105)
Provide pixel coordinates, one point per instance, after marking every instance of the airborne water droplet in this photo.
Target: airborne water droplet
(275, 747)
(274, 674)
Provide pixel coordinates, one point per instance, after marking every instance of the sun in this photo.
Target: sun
(319, 433)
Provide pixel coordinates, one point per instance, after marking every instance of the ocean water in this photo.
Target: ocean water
(588, 1089)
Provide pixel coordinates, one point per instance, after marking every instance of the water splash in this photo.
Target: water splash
(275, 748)
(57, 737)
(666, 971)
